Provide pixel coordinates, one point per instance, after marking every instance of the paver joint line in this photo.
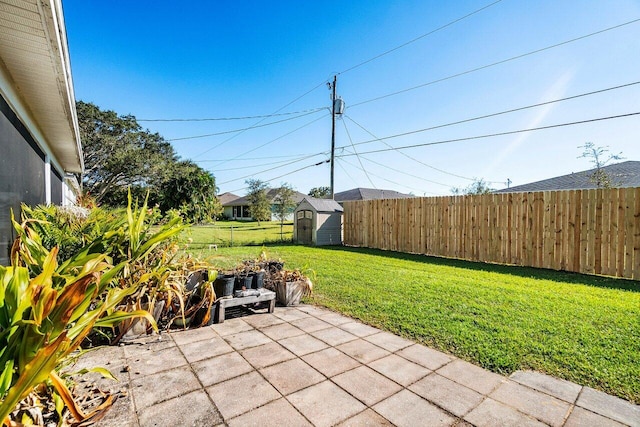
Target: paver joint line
(446, 390)
(202, 386)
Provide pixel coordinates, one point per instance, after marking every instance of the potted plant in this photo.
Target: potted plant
(244, 279)
(258, 279)
(291, 286)
(197, 306)
(223, 285)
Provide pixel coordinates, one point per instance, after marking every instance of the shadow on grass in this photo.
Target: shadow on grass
(529, 272)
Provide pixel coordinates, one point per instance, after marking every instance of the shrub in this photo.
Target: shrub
(46, 311)
(75, 272)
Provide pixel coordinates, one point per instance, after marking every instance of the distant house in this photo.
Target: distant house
(39, 135)
(224, 200)
(237, 208)
(625, 174)
(368, 194)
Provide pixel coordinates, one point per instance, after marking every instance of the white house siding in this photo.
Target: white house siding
(288, 217)
(227, 212)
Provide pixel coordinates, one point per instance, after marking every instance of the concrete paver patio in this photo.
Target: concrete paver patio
(307, 366)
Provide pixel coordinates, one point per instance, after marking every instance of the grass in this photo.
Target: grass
(238, 233)
(581, 328)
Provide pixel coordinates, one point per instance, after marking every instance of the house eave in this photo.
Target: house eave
(35, 73)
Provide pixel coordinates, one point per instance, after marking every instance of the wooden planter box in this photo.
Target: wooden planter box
(289, 293)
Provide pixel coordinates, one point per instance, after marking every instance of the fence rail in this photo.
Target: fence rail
(585, 231)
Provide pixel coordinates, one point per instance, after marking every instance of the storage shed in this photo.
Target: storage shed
(318, 222)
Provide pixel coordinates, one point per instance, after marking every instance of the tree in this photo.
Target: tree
(119, 154)
(600, 157)
(259, 206)
(478, 186)
(192, 190)
(320, 192)
(283, 204)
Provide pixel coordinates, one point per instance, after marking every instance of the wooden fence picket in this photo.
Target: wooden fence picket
(588, 231)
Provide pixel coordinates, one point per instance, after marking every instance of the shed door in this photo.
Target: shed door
(304, 224)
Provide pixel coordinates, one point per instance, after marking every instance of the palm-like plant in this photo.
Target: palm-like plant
(147, 253)
(46, 310)
(141, 251)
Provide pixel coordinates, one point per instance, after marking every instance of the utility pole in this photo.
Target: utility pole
(333, 129)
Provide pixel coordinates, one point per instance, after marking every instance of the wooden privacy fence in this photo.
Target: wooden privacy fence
(585, 231)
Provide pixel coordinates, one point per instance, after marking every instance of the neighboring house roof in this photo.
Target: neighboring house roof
(271, 195)
(323, 205)
(226, 198)
(368, 194)
(35, 77)
(625, 174)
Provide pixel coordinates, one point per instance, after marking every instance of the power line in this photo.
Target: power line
(261, 120)
(403, 172)
(301, 96)
(256, 125)
(298, 170)
(258, 158)
(383, 178)
(406, 155)
(278, 138)
(347, 173)
(492, 64)
(271, 163)
(419, 37)
(393, 182)
(266, 143)
(243, 129)
(446, 141)
(356, 153)
(289, 173)
(420, 178)
(233, 118)
(485, 116)
(398, 149)
(269, 169)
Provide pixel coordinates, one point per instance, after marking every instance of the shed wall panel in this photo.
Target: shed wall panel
(329, 229)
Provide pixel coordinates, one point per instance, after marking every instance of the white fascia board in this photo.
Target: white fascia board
(60, 33)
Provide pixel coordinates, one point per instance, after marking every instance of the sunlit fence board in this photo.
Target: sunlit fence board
(586, 231)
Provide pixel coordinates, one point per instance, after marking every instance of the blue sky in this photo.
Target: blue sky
(223, 59)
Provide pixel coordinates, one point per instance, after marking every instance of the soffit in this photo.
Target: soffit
(33, 51)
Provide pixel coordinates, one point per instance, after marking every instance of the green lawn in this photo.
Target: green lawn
(238, 233)
(582, 328)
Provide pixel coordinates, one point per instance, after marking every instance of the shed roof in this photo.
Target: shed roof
(625, 174)
(35, 64)
(323, 205)
(368, 194)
